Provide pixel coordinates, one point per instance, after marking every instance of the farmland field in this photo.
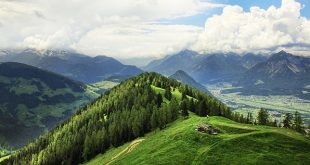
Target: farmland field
(276, 104)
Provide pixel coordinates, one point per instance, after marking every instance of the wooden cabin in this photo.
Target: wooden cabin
(205, 128)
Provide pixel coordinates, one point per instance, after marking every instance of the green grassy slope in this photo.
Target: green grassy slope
(236, 143)
(102, 86)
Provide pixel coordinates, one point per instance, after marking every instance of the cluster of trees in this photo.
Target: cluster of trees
(294, 122)
(289, 121)
(128, 111)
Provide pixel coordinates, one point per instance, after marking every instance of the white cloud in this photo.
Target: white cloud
(91, 26)
(138, 40)
(258, 30)
(123, 28)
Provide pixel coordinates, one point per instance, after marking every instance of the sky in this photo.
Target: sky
(155, 28)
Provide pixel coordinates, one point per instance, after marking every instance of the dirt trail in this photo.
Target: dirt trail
(128, 149)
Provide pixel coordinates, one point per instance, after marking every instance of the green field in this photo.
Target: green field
(236, 143)
(102, 86)
(277, 105)
(175, 92)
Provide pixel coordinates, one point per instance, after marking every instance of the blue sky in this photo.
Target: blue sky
(199, 20)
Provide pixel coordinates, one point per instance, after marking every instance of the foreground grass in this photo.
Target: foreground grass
(236, 143)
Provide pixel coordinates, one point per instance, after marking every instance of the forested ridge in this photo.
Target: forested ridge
(128, 111)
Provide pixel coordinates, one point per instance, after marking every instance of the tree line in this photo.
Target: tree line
(294, 122)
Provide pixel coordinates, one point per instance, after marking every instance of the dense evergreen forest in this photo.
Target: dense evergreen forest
(131, 109)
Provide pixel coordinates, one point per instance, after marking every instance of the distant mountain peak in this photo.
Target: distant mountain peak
(187, 52)
(183, 77)
(53, 52)
(282, 52)
(180, 72)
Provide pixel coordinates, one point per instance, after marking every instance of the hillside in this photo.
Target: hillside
(183, 77)
(281, 73)
(33, 100)
(71, 64)
(130, 110)
(236, 143)
(218, 68)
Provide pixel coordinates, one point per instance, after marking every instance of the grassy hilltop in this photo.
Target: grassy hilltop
(236, 143)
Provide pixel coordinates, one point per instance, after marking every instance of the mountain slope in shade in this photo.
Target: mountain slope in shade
(249, 60)
(33, 100)
(281, 72)
(183, 77)
(74, 65)
(184, 60)
(206, 68)
(218, 67)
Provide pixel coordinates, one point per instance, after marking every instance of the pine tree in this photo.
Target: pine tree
(287, 122)
(87, 147)
(174, 107)
(298, 123)
(202, 108)
(184, 109)
(263, 117)
(192, 105)
(184, 96)
(275, 123)
(154, 119)
(168, 94)
(162, 117)
(159, 99)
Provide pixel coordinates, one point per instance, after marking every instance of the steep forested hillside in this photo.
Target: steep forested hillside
(131, 109)
(33, 100)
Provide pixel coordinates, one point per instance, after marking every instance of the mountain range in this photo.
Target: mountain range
(206, 68)
(71, 64)
(281, 73)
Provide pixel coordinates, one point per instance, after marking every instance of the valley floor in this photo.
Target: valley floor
(277, 105)
(236, 143)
